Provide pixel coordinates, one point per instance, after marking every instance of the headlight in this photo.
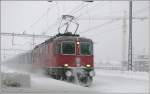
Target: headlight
(66, 65)
(68, 73)
(78, 42)
(92, 73)
(88, 65)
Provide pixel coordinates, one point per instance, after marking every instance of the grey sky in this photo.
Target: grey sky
(27, 15)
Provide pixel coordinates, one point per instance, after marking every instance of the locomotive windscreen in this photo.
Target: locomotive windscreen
(85, 48)
(68, 48)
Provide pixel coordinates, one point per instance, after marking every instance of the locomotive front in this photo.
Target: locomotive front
(75, 58)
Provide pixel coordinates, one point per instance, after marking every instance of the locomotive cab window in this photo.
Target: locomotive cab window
(86, 48)
(68, 48)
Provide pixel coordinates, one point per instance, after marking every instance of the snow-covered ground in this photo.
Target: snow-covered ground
(109, 81)
(105, 82)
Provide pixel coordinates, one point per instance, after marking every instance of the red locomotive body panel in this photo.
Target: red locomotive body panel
(45, 55)
(71, 60)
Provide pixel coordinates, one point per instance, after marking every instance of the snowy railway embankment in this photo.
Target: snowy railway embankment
(124, 74)
(105, 81)
(118, 82)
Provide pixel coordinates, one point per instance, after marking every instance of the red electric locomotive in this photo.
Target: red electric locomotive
(67, 57)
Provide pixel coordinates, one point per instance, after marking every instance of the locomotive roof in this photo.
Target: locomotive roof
(65, 37)
(72, 38)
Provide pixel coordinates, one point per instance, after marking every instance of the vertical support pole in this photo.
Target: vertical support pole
(0, 55)
(149, 42)
(33, 41)
(130, 65)
(124, 40)
(32, 47)
(47, 19)
(12, 40)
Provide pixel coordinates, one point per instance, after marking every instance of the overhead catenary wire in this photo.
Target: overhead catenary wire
(90, 18)
(140, 10)
(41, 17)
(75, 10)
(112, 29)
(105, 30)
(24, 35)
(47, 17)
(99, 26)
(111, 21)
(53, 25)
(79, 9)
(55, 22)
(89, 10)
(81, 6)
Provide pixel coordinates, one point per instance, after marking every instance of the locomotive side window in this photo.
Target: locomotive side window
(85, 48)
(68, 48)
(58, 48)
